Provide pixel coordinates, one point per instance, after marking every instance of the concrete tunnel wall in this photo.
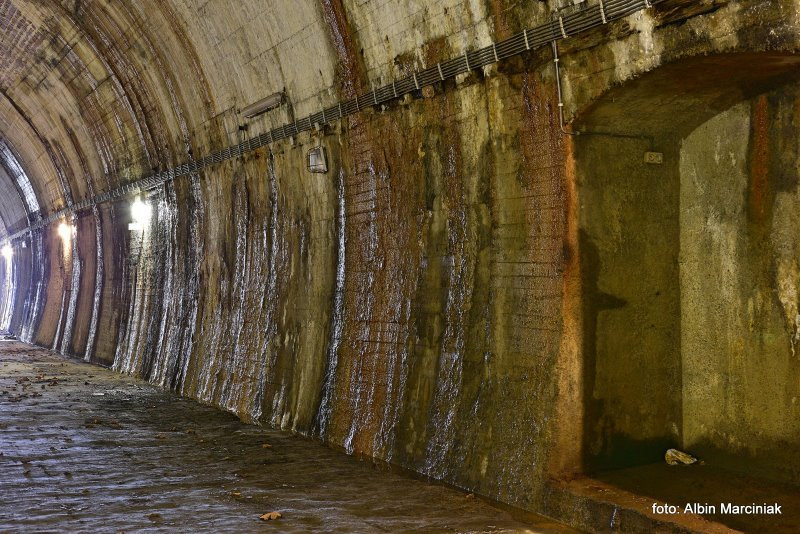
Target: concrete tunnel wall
(422, 302)
(739, 279)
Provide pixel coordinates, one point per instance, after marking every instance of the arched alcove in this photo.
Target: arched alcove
(689, 265)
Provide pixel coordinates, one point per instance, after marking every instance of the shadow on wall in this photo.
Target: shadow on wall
(690, 268)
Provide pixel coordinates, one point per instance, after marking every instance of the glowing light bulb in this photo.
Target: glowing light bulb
(65, 231)
(141, 213)
(8, 252)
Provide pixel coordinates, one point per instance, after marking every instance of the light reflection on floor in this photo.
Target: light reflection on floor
(85, 449)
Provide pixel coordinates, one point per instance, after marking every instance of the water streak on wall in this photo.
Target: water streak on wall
(98, 285)
(8, 294)
(33, 305)
(72, 303)
(337, 320)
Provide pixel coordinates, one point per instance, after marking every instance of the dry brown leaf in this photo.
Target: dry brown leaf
(271, 516)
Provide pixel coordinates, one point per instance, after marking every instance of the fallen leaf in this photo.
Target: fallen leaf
(266, 446)
(272, 516)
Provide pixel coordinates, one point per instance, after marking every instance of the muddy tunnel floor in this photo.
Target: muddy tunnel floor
(83, 449)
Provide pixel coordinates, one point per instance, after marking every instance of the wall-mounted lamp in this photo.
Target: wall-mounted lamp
(141, 213)
(317, 160)
(65, 231)
(8, 252)
(265, 104)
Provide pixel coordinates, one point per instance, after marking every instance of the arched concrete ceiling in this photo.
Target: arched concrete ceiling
(94, 94)
(679, 96)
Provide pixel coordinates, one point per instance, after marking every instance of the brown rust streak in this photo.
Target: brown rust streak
(381, 276)
(758, 188)
(351, 67)
(551, 214)
(569, 407)
(501, 24)
(359, 178)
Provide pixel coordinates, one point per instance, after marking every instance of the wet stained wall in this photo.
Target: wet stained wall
(367, 306)
(629, 240)
(660, 294)
(421, 303)
(689, 296)
(739, 279)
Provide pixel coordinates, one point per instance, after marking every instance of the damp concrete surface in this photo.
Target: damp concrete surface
(84, 449)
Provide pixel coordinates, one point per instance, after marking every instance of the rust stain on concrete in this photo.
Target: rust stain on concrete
(758, 189)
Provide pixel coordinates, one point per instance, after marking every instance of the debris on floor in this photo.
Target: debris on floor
(676, 457)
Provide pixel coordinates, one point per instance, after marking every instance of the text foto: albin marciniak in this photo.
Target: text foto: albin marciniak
(724, 508)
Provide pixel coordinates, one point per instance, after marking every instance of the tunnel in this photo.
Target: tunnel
(399, 266)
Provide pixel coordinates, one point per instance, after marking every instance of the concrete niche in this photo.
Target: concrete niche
(690, 266)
